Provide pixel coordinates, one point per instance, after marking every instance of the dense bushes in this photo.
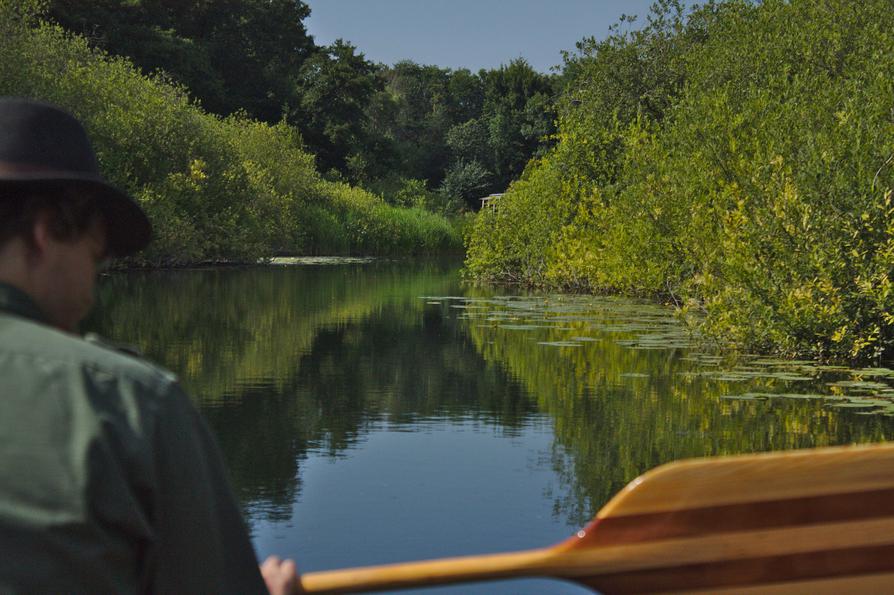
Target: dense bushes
(215, 188)
(738, 160)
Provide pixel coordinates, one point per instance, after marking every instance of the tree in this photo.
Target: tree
(422, 118)
(465, 96)
(518, 114)
(469, 141)
(335, 86)
(231, 54)
(466, 181)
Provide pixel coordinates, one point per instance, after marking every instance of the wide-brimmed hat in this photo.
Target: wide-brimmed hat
(44, 148)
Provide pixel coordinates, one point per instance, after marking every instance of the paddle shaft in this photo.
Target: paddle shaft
(426, 573)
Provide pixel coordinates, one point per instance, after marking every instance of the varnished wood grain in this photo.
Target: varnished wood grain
(621, 529)
(756, 478)
(742, 572)
(861, 583)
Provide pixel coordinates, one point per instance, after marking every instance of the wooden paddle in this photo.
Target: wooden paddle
(812, 521)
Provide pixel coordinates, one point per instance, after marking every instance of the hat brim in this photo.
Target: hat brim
(128, 229)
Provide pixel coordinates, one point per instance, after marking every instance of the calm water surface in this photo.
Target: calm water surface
(374, 412)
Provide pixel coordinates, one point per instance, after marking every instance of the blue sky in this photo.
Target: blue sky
(466, 33)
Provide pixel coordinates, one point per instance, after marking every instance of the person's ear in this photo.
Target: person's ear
(41, 236)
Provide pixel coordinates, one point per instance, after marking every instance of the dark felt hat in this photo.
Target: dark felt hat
(45, 148)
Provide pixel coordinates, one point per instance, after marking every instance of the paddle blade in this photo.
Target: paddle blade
(801, 520)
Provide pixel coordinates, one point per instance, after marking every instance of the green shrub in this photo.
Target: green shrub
(215, 189)
(737, 160)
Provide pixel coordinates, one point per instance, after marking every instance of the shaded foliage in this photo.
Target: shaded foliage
(465, 134)
(336, 84)
(231, 54)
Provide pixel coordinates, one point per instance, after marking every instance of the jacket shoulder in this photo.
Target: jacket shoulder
(124, 357)
(48, 344)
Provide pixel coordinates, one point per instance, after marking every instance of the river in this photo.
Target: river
(380, 411)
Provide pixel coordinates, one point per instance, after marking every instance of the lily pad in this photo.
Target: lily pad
(859, 384)
(787, 377)
(849, 405)
(874, 372)
(319, 260)
(806, 396)
(770, 362)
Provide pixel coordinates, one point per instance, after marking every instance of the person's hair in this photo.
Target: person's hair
(72, 213)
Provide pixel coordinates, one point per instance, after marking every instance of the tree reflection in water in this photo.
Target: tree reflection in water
(287, 361)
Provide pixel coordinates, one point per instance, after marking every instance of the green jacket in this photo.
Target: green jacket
(109, 479)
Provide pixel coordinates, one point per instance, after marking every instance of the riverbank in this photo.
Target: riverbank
(216, 189)
(736, 158)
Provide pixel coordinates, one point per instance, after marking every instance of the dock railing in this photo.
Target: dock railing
(490, 201)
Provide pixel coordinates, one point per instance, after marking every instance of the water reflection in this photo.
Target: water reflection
(386, 400)
(283, 361)
(628, 389)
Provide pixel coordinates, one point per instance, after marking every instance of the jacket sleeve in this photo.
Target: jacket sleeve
(201, 541)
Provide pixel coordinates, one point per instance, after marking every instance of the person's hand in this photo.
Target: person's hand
(281, 576)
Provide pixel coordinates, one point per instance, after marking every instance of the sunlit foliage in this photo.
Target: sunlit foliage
(735, 159)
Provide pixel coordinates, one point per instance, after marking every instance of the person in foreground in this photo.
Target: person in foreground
(109, 480)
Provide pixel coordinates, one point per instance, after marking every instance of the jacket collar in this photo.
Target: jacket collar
(15, 301)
